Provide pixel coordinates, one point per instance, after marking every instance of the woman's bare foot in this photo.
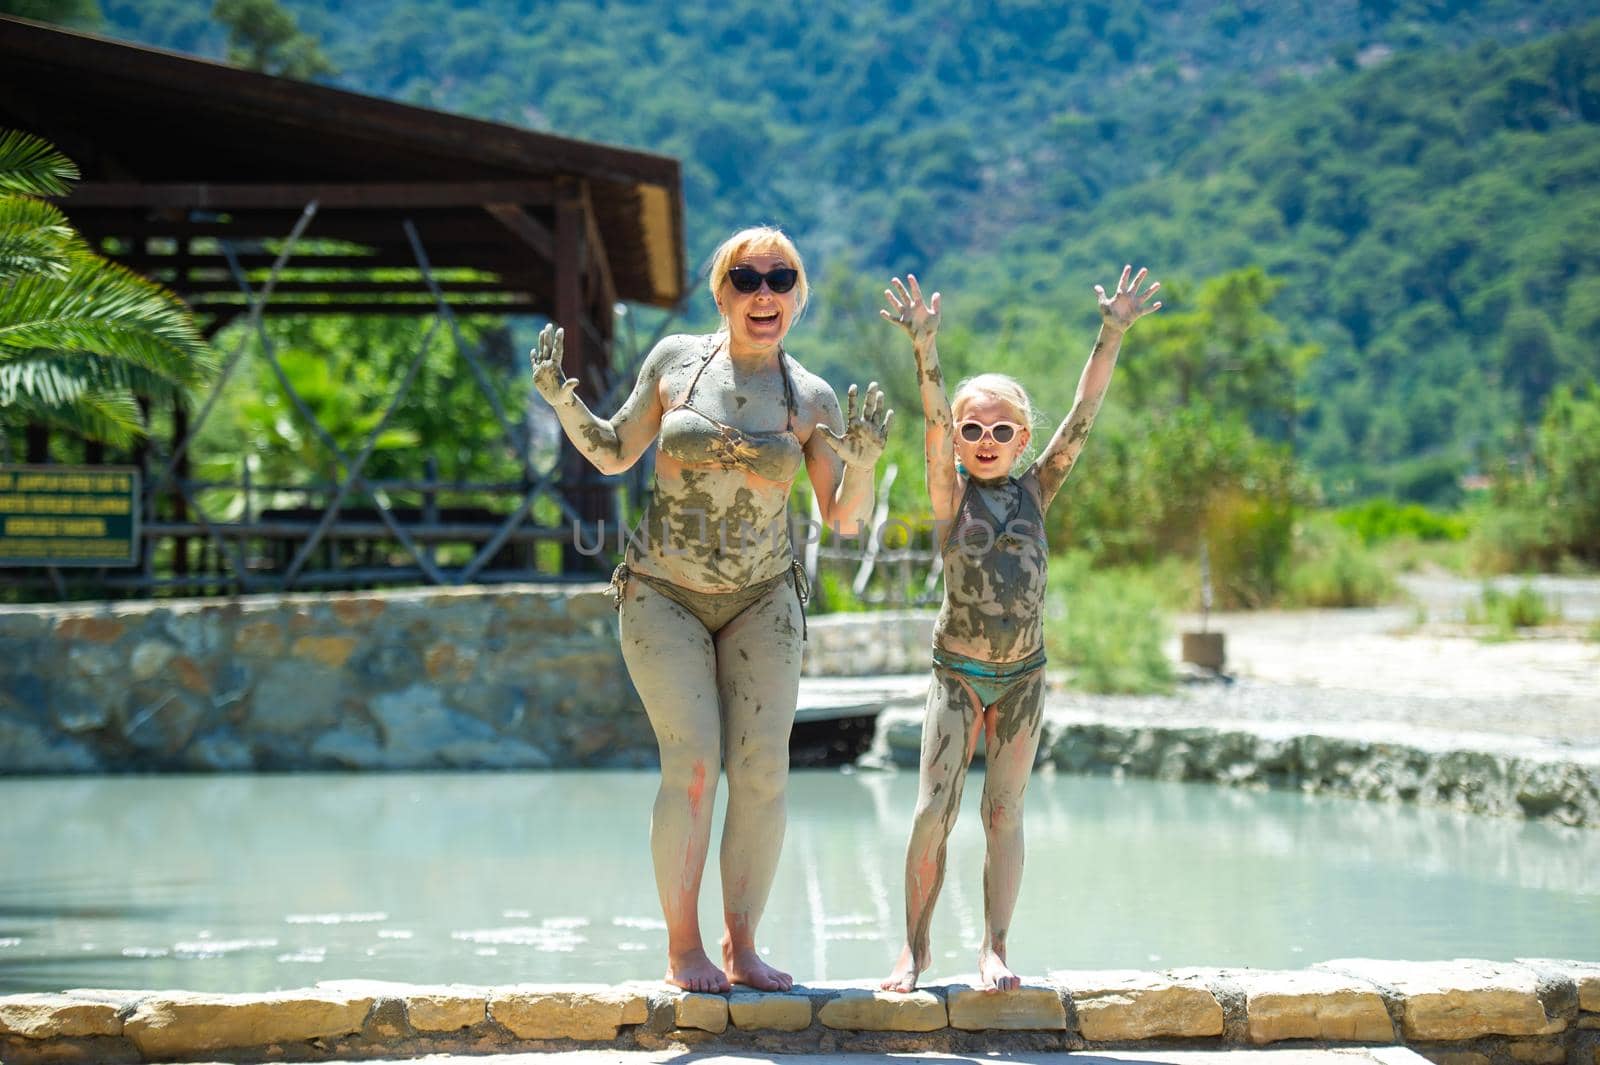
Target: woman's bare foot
(745, 966)
(904, 976)
(693, 971)
(993, 972)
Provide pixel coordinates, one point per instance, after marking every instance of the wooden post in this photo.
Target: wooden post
(581, 483)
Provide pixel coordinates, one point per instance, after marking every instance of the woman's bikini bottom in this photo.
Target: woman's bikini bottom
(714, 610)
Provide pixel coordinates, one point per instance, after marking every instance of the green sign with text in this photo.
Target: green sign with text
(69, 515)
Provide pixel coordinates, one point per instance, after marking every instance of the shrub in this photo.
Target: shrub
(1505, 613)
(1377, 520)
(1332, 568)
(1108, 628)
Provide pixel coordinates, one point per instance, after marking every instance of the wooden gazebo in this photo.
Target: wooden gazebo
(203, 177)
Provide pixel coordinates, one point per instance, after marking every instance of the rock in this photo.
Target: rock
(859, 1009)
(1027, 1008)
(1536, 1052)
(586, 1012)
(351, 746)
(89, 629)
(429, 1007)
(329, 651)
(262, 638)
(1585, 976)
(57, 1017)
(220, 752)
(1312, 1005)
(182, 1024)
(27, 748)
(418, 729)
(767, 1010)
(709, 1013)
(160, 718)
(358, 612)
(149, 658)
(1461, 999)
(1117, 1005)
(294, 697)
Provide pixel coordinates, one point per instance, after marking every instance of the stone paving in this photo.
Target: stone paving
(1465, 1012)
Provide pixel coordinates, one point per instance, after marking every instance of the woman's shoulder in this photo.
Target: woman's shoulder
(809, 387)
(678, 351)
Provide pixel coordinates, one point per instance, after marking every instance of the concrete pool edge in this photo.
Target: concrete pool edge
(1501, 776)
(1461, 1012)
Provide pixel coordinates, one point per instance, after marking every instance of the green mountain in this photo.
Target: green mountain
(1421, 175)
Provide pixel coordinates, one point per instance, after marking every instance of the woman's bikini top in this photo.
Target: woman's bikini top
(696, 439)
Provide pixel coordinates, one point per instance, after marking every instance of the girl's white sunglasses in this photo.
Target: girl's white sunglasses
(972, 431)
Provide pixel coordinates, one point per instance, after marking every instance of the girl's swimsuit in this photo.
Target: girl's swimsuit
(994, 573)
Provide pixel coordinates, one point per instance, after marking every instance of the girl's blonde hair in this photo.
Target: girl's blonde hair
(996, 386)
(752, 241)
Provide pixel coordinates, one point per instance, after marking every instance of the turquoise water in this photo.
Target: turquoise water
(247, 883)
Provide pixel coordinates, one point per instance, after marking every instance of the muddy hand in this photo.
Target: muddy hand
(1128, 305)
(865, 433)
(549, 378)
(907, 310)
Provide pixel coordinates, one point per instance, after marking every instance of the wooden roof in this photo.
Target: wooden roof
(178, 147)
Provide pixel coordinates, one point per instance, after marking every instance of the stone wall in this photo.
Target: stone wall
(1531, 1012)
(506, 677)
(869, 644)
(1512, 782)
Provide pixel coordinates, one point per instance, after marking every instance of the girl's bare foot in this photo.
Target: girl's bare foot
(745, 966)
(904, 976)
(693, 971)
(994, 974)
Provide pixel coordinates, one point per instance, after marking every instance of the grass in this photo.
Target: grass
(1506, 614)
(1332, 567)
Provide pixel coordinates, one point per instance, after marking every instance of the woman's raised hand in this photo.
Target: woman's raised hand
(907, 310)
(1128, 305)
(549, 378)
(865, 434)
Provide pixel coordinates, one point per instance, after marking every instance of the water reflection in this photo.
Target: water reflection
(252, 883)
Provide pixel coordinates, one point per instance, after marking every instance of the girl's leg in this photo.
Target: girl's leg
(758, 676)
(673, 665)
(949, 736)
(1011, 740)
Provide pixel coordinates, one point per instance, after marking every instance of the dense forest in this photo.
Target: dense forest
(1408, 191)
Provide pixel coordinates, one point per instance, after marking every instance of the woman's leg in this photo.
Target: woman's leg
(949, 734)
(673, 665)
(758, 676)
(1011, 740)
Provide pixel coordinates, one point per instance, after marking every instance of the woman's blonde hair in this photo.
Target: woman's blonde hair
(997, 386)
(753, 241)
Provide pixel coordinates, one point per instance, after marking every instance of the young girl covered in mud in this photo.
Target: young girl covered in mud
(988, 643)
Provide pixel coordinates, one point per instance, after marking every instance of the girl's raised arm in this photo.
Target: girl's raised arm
(1116, 315)
(921, 321)
(612, 445)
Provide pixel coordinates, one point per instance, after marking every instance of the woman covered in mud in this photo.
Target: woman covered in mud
(710, 597)
(988, 641)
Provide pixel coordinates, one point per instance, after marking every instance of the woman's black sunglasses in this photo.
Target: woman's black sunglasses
(748, 278)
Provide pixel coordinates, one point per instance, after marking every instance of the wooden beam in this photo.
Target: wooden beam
(275, 307)
(340, 195)
(353, 288)
(596, 247)
(529, 229)
(570, 229)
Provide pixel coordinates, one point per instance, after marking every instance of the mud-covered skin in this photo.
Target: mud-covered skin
(720, 683)
(995, 570)
(952, 722)
(995, 565)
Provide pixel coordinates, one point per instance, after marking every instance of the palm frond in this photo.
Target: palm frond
(31, 165)
(35, 238)
(92, 371)
(37, 393)
(103, 308)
